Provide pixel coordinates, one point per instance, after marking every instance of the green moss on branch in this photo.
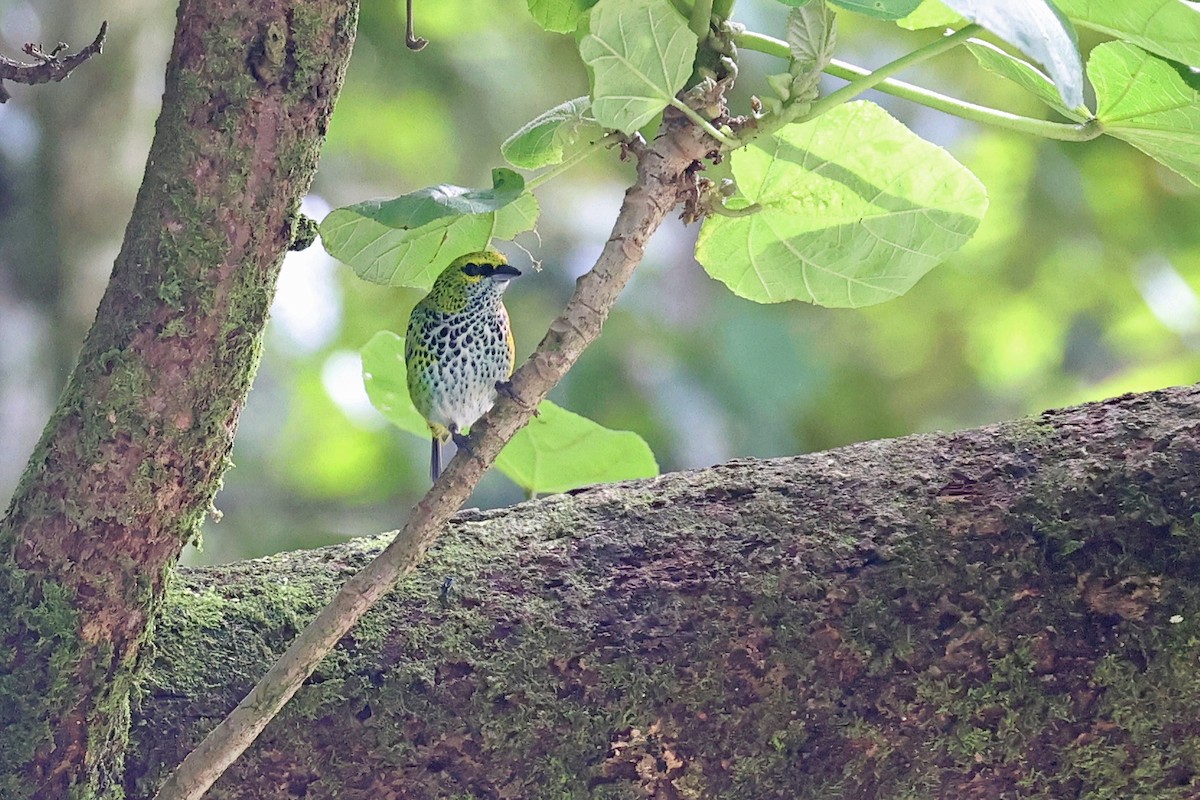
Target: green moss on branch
(1007, 612)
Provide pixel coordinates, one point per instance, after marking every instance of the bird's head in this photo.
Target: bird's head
(476, 278)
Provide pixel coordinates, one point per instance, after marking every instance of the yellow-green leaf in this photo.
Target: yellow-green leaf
(559, 450)
(1169, 28)
(855, 208)
(639, 54)
(1149, 103)
(556, 451)
(409, 240)
(543, 140)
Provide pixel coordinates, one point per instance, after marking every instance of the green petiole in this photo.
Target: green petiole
(872, 79)
(862, 79)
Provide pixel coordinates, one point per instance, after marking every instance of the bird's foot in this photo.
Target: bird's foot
(461, 441)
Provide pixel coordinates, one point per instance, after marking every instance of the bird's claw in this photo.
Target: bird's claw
(461, 441)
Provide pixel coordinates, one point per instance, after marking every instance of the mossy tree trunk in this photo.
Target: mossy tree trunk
(130, 461)
(1007, 612)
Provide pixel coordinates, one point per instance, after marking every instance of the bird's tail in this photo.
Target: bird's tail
(435, 458)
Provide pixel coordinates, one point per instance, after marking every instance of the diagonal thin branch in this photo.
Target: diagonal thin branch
(51, 66)
(664, 177)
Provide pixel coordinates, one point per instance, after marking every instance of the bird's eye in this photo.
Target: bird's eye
(474, 270)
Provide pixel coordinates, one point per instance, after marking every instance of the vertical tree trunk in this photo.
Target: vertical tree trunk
(129, 463)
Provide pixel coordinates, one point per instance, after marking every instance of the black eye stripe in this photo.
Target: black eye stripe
(473, 269)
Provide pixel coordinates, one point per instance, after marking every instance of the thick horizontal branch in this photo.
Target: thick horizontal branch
(50, 66)
(1011, 611)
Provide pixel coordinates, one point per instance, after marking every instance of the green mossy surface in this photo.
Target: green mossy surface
(894, 620)
(46, 619)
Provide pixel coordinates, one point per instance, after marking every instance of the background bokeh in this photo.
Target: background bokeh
(1080, 285)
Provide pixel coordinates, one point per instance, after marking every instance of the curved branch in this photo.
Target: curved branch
(51, 66)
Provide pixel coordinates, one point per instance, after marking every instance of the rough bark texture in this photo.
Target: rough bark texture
(1007, 612)
(129, 463)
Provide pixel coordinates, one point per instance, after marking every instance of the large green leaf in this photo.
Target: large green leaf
(409, 240)
(880, 9)
(559, 16)
(1149, 103)
(559, 450)
(543, 140)
(1025, 75)
(556, 451)
(1169, 28)
(1038, 29)
(855, 209)
(386, 382)
(639, 54)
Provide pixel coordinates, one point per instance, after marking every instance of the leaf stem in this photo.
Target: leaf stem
(872, 79)
(1062, 131)
(722, 210)
(705, 125)
(1067, 132)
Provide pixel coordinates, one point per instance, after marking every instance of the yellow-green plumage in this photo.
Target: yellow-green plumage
(459, 346)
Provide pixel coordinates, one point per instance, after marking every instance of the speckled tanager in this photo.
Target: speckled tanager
(459, 348)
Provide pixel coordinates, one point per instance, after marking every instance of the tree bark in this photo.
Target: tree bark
(130, 461)
(1012, 611)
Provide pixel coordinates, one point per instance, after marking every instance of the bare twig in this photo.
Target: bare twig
(50, 66)
(665, 174)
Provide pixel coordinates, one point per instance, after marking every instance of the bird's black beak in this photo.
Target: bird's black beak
(503, 272)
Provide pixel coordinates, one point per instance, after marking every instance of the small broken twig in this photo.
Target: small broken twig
(51, 66)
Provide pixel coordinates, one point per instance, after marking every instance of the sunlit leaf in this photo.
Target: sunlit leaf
(543, 140)
(559, 450)
(556, 451)
(855, 209)
(1038, 29)
(1024, 74)
(639, 54)
(409, 240)
(1149, 103)
(880, 9)
(1169, 28)
(386, 381)
(558, 16)
(931, 14)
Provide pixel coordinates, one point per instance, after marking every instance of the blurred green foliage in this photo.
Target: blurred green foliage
(1080, 284)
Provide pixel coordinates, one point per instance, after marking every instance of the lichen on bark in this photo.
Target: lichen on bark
(129, 463)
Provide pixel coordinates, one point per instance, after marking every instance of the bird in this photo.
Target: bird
(459, 351)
